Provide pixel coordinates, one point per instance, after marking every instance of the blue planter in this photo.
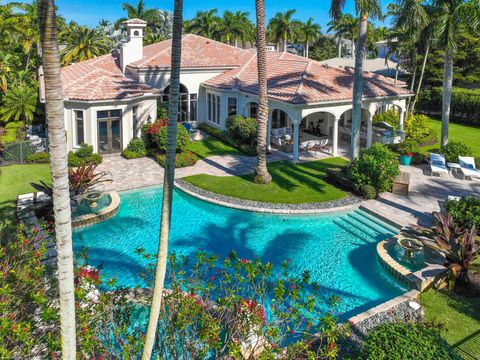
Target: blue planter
(405, 160)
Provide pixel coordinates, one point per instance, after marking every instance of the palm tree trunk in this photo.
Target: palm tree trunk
(420, 80)
(262, 175)
(306, 49)
(339, 48)
(284, 43)
(168, 180)
(358, 85)
(236, 41)
(353, 46)
(59, 169)
(447, 94)
(414, 76)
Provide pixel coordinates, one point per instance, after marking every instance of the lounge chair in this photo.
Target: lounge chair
(438, 164)
(467, 166)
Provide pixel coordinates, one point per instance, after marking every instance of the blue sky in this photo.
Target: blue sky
(90, 12)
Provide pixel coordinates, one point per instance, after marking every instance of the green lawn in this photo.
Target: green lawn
(467, 134)
(292, 183)
(16, 179)
(212, 146)
(461, 317)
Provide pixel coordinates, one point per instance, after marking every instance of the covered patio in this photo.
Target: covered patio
(327, 127)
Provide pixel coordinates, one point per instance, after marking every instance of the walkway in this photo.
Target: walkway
(137, 173)
(426, 195)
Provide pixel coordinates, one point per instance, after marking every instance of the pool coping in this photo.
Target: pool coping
(348, 203)
(102, 215)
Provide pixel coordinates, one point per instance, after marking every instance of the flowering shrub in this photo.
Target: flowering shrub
(150, 130)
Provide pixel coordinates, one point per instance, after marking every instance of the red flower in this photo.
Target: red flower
(37, 254)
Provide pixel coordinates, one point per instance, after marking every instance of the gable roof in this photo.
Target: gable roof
(100, 79)
(297, 80)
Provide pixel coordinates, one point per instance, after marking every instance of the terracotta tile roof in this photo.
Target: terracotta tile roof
(291, 78)
(100, 79)
(298, 80)
(197, 52)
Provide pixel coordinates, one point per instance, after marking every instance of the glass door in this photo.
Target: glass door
(109, 131)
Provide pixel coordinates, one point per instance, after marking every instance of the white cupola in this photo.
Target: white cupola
(132, 50)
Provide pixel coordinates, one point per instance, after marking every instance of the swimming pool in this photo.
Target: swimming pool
(339, 249)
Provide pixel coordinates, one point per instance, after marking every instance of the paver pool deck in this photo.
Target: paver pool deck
(427, 193)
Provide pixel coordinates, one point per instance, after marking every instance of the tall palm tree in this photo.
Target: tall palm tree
(282, 27)
(27, 28)
(205, 23)
(234, 26)
(450, 15)
(309, 33)
(365, 9)
(83, 43)
(345, 26)
(59, 169)
(167, 180)
(262, 176)
(139, 11)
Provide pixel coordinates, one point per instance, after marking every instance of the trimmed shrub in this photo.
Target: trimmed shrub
(368, 192)
(84, 156)
(407, 341)
(465, 105)
(408, 146)
(454, 149)
(39, 158)
(337, 177)
(477, 162)
(184, 159)
(18, 151)
(465, 211)
(418, 127)
(391, 117)
(183, 139)
(377, 166)
(150, 130)
(227, 139)
(135, 149)
(242, 129)
(162, 110)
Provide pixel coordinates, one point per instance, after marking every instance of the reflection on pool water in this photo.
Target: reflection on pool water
(338, 249)
(85, 206)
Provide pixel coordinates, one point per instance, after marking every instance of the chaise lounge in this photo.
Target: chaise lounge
(467, 167)
(438, 164)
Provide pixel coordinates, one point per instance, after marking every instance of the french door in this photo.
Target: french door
(109, 131)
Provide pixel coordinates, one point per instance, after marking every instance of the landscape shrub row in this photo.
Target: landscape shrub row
(228, 139)
(83, 156)
(465, 105)
(136, 149)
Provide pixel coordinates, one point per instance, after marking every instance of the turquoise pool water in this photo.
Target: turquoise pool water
(338, 249)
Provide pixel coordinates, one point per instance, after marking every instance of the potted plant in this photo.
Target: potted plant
(407, 149)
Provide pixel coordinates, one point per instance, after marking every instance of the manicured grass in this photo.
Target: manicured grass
(461, 317)
(467, 134)
(212, 146)
(292, 183)
(16, 179)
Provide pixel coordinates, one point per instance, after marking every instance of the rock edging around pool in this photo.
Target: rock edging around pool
(347, 203)
(420, 279)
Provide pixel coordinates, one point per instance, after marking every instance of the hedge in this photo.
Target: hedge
(465, 105)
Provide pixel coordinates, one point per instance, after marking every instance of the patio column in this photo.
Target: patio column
(369, 130)
(269, 129)
(402, 118)
(296, 125)
(335, 136)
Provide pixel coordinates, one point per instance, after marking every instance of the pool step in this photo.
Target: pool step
(377, 221)
(357, 227)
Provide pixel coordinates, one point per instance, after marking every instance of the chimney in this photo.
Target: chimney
(132, 50)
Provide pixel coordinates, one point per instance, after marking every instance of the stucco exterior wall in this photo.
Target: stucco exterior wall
(147, 111)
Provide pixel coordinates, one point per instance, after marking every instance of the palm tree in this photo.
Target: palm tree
(262, 176)
(449, 16)
(19, 103)
(344, 26)
(282, 27)
(365, 9)
(27, 28)
(205, 23)
(309, 32)
(234, 25)
(58, 164)
(140, 11)
(83, 43)
(167, 181)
